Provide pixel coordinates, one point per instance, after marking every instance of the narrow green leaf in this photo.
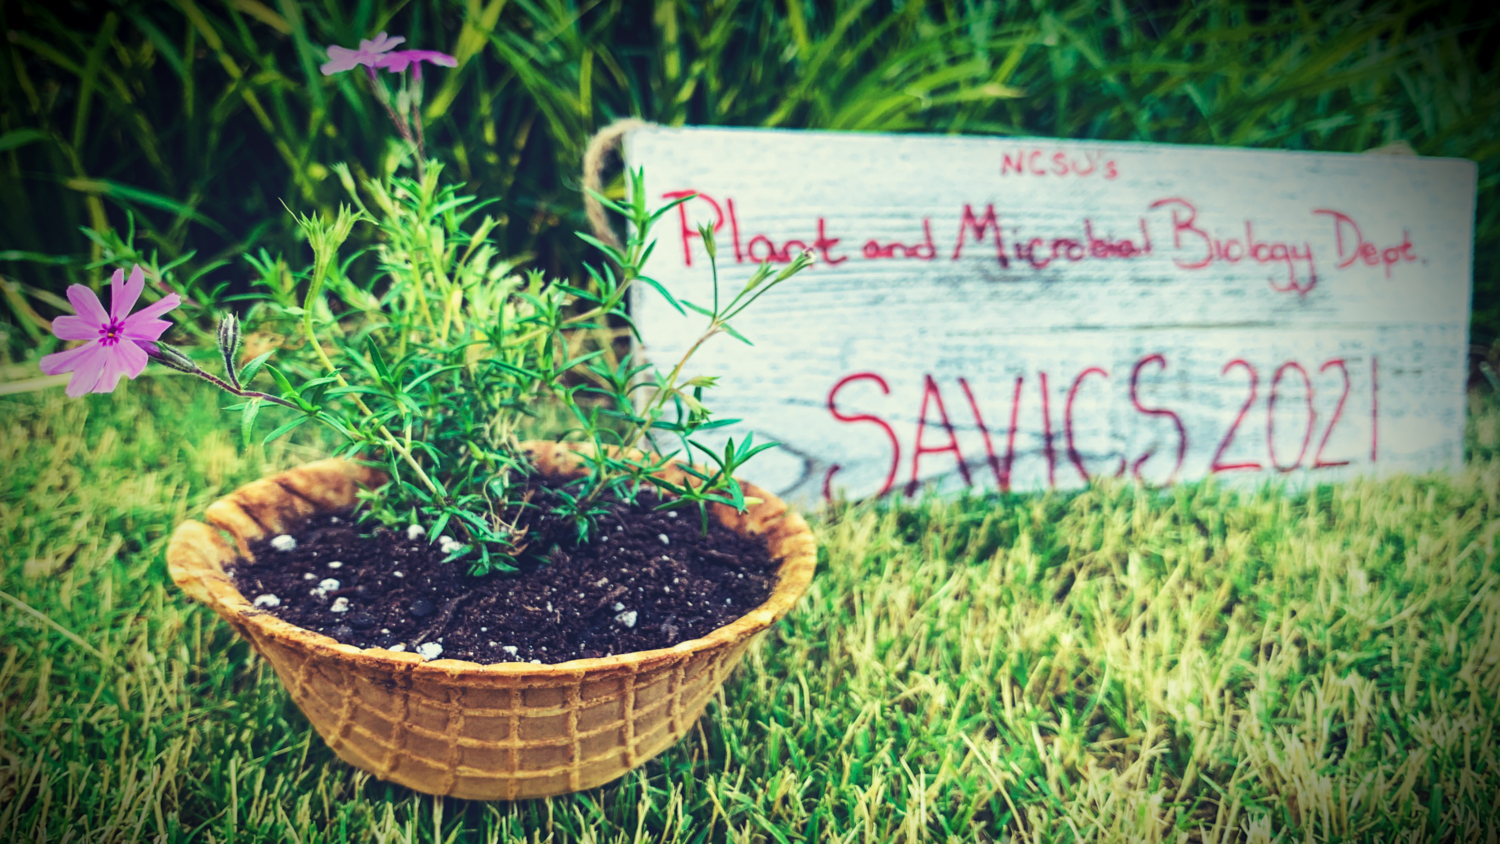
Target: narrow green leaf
(17, 138)
(377, 359)
(127, 193)
(253, 367)
(285, 429)
(247, 421)
(728, 329)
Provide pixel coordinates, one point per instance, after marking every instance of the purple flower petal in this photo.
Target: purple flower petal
(74, 328)
(370, 51)
(123, 294)
(399, 61)
(88, 371)
(86, 303)
(147, 316)
(68, 360)
(340, 59)
(394, 62)
(131, 359)
(145, 330)
(381, 43)
(117, 340)
(109, 375)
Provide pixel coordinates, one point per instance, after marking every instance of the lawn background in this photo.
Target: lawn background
(1112, 665)
(1117, 664)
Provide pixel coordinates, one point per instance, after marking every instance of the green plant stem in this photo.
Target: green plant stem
(435, 260)
(420, 291)
(587, 315)
(661, 395)
(243, 393)
(387, 437)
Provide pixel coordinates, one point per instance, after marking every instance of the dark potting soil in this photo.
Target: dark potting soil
(648, 579)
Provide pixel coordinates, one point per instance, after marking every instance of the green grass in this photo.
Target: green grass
(202, 117)
(1113, 665)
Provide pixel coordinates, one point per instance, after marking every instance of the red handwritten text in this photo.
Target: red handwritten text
(1356, 248)
(1035, 162)
(1281, 453)
(1187, 231)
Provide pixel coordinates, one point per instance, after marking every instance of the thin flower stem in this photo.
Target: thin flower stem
(628, 274)
(416, 116)
(243, 393)
(639, 429)
(661, 395)
(586, 315)
(383, 97)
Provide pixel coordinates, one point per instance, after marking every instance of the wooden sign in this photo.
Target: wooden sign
(1025, 314)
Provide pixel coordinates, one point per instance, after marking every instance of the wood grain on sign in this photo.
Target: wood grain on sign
(1023, 314)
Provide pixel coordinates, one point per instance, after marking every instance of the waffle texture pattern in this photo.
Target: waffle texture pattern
(483, 732)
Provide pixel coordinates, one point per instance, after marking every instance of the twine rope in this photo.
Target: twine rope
(593, 174)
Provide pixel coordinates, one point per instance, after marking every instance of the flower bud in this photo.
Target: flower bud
(229, 342)
(800, 263)
(382, 94)
(169, 356)
(706, 232)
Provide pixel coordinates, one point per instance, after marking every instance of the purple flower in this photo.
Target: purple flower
(398, 61)
(117, 340)
(369, 53)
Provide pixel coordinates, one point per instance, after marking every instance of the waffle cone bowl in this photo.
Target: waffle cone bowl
(506, 731)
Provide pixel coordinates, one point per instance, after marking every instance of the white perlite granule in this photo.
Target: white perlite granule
(267, 601)
(397, 648)
(618, 606)
(430, 650)
(510, 649)
(664, 539)
(283, 543)
(627, 618)
(415, 531)
(309, 576)
(335, 564)
(397, 574)
(328, 584)
(339, 605)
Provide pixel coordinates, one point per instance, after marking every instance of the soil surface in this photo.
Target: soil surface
(648, 579)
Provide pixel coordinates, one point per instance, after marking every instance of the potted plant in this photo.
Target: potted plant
(454, 606)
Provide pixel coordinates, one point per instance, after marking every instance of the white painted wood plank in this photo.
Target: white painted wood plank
(1112, 281)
